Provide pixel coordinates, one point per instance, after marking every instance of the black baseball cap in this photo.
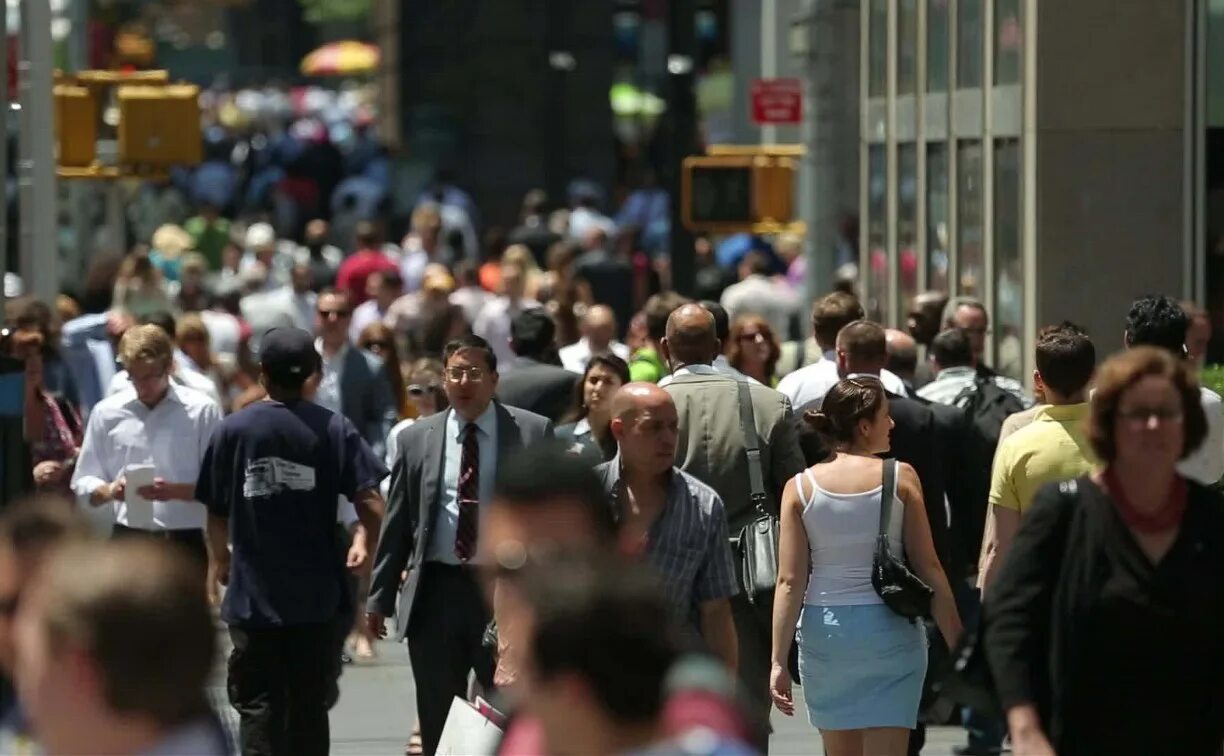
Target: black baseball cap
(288, 355)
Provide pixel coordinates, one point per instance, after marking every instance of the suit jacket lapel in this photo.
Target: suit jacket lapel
(431, 478)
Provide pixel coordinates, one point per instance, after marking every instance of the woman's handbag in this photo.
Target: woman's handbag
(902, 591)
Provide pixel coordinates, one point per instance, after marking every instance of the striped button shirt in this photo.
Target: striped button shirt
(688, 544)
(952, 381)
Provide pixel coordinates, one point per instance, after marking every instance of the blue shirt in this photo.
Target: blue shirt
(442, 544)
(276, 470)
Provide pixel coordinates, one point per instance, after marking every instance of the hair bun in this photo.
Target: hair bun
(820, 422)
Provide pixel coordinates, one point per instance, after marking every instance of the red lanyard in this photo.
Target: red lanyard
(1159, 521)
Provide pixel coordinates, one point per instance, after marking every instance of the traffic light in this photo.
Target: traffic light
(76, 125)
(732, 193)
(159, 126)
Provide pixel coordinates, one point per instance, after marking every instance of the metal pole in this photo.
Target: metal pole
(816, 194)
(4, 143)
(36, 167)
(79, 192)
(682, 137)
(769, 57)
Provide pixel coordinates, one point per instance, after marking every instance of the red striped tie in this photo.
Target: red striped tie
(469, 495)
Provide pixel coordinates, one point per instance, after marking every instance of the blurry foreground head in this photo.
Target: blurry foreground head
(601, 644)
(115, 643)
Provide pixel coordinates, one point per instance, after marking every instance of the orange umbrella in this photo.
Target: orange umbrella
(341, 59)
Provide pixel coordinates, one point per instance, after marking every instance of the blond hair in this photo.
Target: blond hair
(147, 344)
(191, 326)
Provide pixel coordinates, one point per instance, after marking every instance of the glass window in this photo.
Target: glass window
(877, 49)
(938, 18)
(907, 45)
(1009, 267)
(1008, 42)
(937, 216)
(877, 233)
(907, 223)
(969, 44)
(969, 260)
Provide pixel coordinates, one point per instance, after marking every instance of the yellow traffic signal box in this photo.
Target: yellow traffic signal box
(732, 193)
(76, 125)
(159, 126)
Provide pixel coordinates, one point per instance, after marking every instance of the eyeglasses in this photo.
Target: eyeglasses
(474, 374)
(338, 314)
(757, 337)
(1141, 415)
(417, 389)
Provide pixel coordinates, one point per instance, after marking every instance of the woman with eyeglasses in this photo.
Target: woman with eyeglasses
(753, 349)
(1105, 627)
(588, 432)
(378, 339)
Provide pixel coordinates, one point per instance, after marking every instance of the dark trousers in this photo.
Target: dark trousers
(189, 540)
(279, 681)
(449, 617)
(753, 630)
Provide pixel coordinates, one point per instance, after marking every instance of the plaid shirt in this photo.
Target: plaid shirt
(688, 544)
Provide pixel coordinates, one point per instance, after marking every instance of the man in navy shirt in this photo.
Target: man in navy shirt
(270, 480)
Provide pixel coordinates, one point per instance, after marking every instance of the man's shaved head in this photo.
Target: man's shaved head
(691, 336)
(599, 315)
(902, 353)
(635, 397)
(599, 326)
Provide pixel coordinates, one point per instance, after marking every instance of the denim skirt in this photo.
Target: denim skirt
(861, 666)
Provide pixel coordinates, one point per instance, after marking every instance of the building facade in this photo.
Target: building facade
(1054, 159)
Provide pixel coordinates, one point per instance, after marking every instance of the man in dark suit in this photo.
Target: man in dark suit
(441, 481)
(354, 382)
(536, 383)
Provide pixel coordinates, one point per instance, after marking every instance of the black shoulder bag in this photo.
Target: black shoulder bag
(902, 591)
(757, 544)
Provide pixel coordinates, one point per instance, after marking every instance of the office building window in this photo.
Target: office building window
(969, 44)
(1009, 261)
(937, 216)
(938, 20)
(970, 263)
(907, 43)
(877, 233)
(877, 48)
(1008, 42)
(907, 223)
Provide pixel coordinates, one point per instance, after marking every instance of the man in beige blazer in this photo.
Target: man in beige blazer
(713, 449)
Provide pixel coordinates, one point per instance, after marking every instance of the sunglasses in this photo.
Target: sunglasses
(417, 389)
(326, 314)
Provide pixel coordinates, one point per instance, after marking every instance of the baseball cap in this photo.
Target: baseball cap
(288, 355)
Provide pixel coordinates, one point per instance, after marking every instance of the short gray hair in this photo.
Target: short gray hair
(955, 303)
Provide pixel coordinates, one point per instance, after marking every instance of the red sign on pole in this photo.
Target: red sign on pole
(777, 101)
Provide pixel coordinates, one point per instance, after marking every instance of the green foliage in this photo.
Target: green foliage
(1212, 376)
(330, 11)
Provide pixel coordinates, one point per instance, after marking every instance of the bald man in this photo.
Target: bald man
(902, 356)
(598, 337)
(670, 518)
(713, 447)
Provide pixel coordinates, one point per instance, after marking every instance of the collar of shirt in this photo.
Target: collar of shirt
(613, 476)
(1061, 413)
(337, 358)
(695, 369)
(582, 427)
(485, 423)
(830, 355)
(172, 395)
(957, 372)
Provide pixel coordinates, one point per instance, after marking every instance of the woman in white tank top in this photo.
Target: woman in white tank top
(861, 665)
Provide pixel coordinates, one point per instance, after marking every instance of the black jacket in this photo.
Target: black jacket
(537, 387)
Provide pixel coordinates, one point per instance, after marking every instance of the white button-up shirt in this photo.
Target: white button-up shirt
(171, 436)
(577, 356)
(807, 384)
(330, 394)
(442, 547)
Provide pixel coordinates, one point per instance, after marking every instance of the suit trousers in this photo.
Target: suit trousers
(279, 681)
(445, 642)
(754, 631)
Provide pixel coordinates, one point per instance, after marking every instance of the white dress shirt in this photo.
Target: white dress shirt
(329, 395)
(1206, 464)
(171, 436)
(577, 356)
(363, 315)
(442, 546)
(392, 452)
(760, 295)
(807, 384)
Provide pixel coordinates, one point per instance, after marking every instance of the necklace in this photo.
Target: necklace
(1159, 521)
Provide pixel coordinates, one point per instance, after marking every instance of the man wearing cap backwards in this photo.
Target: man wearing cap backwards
(270, 480)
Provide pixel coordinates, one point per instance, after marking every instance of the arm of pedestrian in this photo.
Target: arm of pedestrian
(358, 553)
(920, 551)
(785, 453)
(718, 630)
(788, 596)
(217, 543)
(370, 511)
(997, 542)
(161, 490)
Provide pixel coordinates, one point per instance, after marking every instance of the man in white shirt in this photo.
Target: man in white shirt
(154, 424)
(1158, 321)
(757, 294)
(829, 315)
(598, 337)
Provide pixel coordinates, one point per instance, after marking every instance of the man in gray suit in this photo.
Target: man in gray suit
(354, 382)
(713, 449)
(439, 485)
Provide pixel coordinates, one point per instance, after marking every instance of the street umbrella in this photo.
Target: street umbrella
(341, 59)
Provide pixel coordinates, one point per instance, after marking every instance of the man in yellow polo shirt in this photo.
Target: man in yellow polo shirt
(1053, 447)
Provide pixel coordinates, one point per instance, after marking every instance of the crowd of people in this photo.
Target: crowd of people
(615, 519)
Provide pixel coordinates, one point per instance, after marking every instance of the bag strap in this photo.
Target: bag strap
(752, 446)
(888, 492)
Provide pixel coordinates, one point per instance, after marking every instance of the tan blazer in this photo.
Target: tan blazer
(712, 445)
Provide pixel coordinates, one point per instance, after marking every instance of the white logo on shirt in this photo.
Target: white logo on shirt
(272, 475)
